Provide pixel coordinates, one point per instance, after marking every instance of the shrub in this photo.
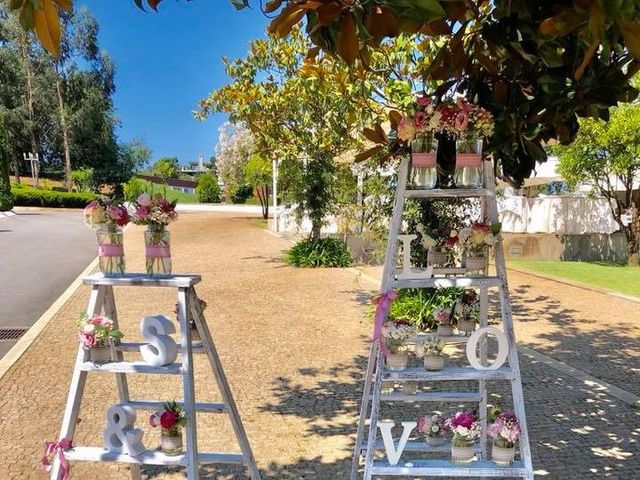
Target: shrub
(6, 201)
(82, 179)
(34, 197)
(134, 188)
(242, 194)
(319, 252)
(208, 189)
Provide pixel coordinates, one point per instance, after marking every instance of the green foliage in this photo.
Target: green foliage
(319, 252)
(82, 179)
(416, 305)
(34, 197)
(242, 194)
(134, 188)
(257, 172)
(167, 167)
(208, 189)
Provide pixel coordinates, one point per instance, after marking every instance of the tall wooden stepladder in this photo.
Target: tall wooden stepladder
(189, 313)
(376, 374)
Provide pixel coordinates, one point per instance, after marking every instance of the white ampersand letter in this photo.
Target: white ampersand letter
(120, 436)
(503, 348)
(394, 453)
(162, 349)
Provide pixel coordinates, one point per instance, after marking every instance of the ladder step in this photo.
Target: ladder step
(196, 347)
(150, 457)
(143, 280)
(131, 367)
(447, 468)
(448, 193)
(419, 447)
(432, 397)
(153, 405)
(448, 373)
(456, 338)
(446, 282)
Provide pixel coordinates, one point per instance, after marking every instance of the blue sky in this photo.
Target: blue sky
(167, 61)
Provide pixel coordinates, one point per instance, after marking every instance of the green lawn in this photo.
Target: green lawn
(618, 278)
(171, 193)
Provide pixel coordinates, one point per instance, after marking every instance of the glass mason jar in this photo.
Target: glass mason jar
(157, 250)
(462, 450)
(110, 251)
(424, 172)
(468, 172)
(171, 441)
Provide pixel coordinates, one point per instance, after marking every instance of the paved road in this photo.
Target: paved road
(41, 252)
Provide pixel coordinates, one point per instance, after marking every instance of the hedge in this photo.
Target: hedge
(34, 197)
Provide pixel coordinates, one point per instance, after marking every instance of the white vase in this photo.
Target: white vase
(466, 326)
(436, 259)
(433, 363)
(463, 454)
(445, 330)
(438, 441)
(397, 362)
(503, 456)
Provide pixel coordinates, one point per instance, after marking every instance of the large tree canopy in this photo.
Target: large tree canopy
(537, 66)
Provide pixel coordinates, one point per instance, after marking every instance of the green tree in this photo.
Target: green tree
(257, 173)
(166, 168)
(6, 199)
(208, 189)
(607, 155)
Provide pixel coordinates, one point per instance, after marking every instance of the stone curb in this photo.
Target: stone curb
(27, 339)
(10, 213)
(572, 283)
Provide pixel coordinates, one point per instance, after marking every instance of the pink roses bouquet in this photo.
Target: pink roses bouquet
(96, 331)
(434, 426)
(105, 212)
(505, 430)
(154, 210)
(171, 417)
(465, 427)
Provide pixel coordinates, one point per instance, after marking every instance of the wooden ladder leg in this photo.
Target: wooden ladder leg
(121, 378)
(484, 320)
(364, 411)
(187, 384)
(373, 419)
(223, 385)
(78, 380)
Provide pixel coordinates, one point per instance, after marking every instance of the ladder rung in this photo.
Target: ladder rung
(448, 193)
(153, 405)
(150, 457)
(448, 373)
(143, 280)
(447, 468)
(419, 446)
(432, 397)
(456, 338)
(132, 367)
(196, 347)
(447, 282)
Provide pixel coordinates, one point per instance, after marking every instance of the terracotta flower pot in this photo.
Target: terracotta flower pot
(397, 362)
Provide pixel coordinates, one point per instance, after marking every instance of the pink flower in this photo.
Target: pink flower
(423, 101)
(87, 339)
(119, 214)
(91, 206)
(406, 130)
(154, 419)
(420, 121)
(144, 200)
(143, 212)
(463, 419)
(494, 429)
(422, 425)
(442, 317)
(461, 121)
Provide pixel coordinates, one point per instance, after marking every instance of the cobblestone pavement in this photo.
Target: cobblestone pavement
(293, 343)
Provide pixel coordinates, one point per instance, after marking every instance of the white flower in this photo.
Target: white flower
(490, 239)
(89, 328)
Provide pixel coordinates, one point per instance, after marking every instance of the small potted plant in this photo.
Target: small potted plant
(475, 240)
(434, 429)
(396, 334)
(432, 350)
(466, 428)
(170, 419)
(468, 311)
(97, 335)
(505, 431)
(443, 318)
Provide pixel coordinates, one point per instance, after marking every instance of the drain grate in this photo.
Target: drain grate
(11, 333)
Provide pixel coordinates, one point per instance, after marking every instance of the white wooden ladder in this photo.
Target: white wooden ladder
(377, 375)
(189, 313)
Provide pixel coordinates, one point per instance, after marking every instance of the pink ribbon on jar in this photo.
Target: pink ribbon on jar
(383, 304)
(423, 160)
(468, 159)
(51, 449)
(157, 251)
(110, 250)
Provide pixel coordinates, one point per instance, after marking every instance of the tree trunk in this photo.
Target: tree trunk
(263, 195)
(29, 74)
(316, 228)
(632, 234)
(65, 136)
(16, 169)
